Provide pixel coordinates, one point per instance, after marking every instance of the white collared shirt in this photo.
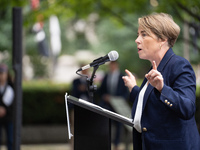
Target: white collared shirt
(138, 112)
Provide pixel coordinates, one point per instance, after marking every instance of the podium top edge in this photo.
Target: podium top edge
(97, 109)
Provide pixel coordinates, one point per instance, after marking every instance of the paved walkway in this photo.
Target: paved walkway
(44, 147)
(55, 147)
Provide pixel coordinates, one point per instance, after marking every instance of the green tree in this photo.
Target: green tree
(116, 27)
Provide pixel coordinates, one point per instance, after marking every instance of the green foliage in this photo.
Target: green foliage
(116, 27)
(44, 102)
(198, 91)
(39, 66)
(44, 85)
(5, 31)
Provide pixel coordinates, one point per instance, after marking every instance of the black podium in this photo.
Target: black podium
(92, 125)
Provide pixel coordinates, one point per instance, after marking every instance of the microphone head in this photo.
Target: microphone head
(113, 55)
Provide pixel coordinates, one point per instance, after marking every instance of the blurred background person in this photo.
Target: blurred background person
(113, 85)
(6, 105)
(79, 86)
(79, 90)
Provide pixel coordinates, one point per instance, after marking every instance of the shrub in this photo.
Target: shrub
(44, 103)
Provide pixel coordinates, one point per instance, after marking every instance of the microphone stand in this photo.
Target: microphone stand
(92, 88)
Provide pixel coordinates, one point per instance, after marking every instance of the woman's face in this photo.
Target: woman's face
(148, 45)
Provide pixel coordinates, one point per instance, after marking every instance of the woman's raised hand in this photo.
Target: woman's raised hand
(155, 78)
(129, 80)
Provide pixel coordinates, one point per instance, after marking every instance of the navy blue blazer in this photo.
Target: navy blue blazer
(168, 118)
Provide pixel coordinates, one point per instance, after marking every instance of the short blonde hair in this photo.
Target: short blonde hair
(162, 25)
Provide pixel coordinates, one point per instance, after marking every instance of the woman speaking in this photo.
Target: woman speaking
(164, 106)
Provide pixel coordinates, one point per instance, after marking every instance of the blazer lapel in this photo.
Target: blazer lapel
(161, 66)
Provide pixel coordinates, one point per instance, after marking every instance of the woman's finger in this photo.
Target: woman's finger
(154, 65)
(128, 72)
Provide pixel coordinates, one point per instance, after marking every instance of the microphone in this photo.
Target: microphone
(111, 56)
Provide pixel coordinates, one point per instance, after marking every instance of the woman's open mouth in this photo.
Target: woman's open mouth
(139, 49)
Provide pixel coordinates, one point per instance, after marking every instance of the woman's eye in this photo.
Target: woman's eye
(144, 34)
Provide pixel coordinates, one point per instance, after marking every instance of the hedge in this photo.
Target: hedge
(44, 103)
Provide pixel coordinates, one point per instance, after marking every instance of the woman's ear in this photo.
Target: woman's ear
(163, 42)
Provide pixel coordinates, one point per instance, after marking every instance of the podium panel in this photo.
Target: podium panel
(91, 130)
(92, 124)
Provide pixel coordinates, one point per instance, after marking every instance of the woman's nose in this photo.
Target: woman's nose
(137, 40)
